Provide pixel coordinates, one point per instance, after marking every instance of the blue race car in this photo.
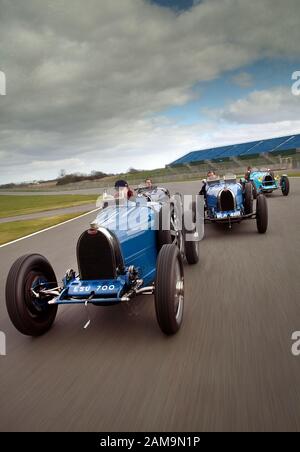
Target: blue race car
(228, 201)
(125, 252)
(264, 181)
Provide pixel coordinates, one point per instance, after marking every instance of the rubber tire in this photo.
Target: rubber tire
(165, 286)
(164, 237)
(191, 251)
(286, 190)
(248, 198)
(254, 191)
(192, 208)
(191, 248)
(261, 214)
(15, 295)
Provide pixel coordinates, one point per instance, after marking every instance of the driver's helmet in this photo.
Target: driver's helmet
(122, 189)
(121, 183)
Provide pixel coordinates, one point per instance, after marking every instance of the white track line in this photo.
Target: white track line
(48, 229)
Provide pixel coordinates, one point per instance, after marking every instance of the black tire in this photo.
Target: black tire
(261, 214)
(192, 209)
(165, 233)
(254, 191)
(191, 247)
(285, 185)
(191, 251)
(29, 318)
(164, 236)
(248, 198)
(169, 298)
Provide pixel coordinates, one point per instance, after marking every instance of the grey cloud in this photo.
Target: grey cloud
(265, 106)
(243, 79)
(87, 77)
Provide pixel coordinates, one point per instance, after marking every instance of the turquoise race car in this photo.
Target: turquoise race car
(265, 181)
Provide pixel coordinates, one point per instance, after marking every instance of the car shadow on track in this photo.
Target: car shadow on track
(135, 321)
(222, 231)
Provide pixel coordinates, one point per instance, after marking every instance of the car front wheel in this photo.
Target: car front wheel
(31, 315)
(261, 214)
(285, 185)
(169, 289)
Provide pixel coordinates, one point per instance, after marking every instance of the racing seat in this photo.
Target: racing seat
(99, 255)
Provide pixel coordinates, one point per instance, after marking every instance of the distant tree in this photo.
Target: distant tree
(62, 173)
(132, 170)
(77, 177)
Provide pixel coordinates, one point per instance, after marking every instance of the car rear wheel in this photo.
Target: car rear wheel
(31, 316)
(170, 227)
(169, 289)
(254, 190)
(261, 214)
(191, 241)
(248, 198)
(285, 185)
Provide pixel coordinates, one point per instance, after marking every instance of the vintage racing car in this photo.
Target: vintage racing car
(264, 181)
(228, 201)
(131, 248)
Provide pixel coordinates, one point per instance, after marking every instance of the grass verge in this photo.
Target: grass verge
(12, 205)
(17, 229)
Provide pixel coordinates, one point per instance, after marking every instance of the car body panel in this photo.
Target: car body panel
(133, 225)
(258, 179)
(213, 192)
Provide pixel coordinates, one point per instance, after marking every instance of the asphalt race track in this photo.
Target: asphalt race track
(229, 368)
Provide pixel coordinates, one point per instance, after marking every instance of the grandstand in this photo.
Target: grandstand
(274, 147)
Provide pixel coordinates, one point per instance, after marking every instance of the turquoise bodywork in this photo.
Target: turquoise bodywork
(257, 178)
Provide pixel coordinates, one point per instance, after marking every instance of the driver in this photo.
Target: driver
(248, 172)
(123, 191)
(211, 175)
(149, 183)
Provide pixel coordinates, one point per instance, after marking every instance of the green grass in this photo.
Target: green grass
(21, 205)
(17, 229)
(293, 174)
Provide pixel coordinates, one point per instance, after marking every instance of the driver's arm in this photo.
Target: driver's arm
(203, 189)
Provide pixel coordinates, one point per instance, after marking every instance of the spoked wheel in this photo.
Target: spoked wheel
(170, 227)
(31, 315)
(169, 289)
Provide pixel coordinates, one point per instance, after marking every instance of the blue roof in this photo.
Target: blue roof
(238, 150)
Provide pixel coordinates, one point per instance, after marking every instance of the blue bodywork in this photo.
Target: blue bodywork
(133, 224)
(234, 191)
(258, 178)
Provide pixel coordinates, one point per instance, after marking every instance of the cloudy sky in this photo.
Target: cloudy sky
(111, 84)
